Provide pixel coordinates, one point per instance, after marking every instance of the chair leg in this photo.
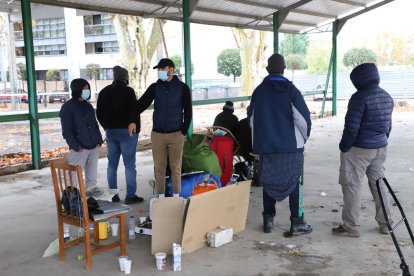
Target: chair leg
(88, 253)
(61, 240)
(96, 232)
(122, 233)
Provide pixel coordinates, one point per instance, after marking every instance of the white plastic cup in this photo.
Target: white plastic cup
(161, 260)
(122, 260)
(114, 229)
(127, 266)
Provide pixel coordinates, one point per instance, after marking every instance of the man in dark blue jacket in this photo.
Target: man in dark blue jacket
(281, 124)
(364, 147)
(81, 131)
(171, 120)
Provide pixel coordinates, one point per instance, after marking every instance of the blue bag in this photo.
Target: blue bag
(188, 181)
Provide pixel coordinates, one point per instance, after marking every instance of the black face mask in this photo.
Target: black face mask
(127, 82)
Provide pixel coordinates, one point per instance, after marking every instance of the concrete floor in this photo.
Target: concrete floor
(28, 216)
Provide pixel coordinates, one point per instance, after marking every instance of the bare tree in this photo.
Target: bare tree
(136, 46)
(251, 45)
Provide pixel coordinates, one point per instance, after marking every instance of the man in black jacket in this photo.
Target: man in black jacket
(226, 118)
(171, 120)
(364, 148)
(243, 134)
(117, 112)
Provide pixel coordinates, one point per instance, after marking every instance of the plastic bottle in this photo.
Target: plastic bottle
(131, 228)
(66, 234)
(233, 179)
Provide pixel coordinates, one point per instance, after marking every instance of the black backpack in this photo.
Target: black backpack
(72, 202)
(244, 170)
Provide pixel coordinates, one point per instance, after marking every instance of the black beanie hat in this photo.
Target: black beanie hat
(120, 73)
(229, 106)
(76, 86)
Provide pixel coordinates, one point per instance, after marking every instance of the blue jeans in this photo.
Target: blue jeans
(120, 143)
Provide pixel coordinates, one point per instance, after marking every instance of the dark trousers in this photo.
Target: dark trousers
(295, 202)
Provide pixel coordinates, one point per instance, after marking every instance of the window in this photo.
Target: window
(64, 75)
(98, 24)
(18, 30)
(102, 47)
(50, 50)
(20, 51)
(43, 28)
(107, 74)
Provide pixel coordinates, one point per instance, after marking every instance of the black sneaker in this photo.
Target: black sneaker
(116, 198)
(134, 199)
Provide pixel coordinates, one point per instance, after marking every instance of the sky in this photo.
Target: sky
(209, 41)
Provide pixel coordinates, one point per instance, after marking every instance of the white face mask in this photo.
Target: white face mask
(163, 75)
(86, 94)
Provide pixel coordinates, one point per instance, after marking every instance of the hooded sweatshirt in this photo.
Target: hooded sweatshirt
(117, 103)
(368, 119)
(79, 126)
(279, 117)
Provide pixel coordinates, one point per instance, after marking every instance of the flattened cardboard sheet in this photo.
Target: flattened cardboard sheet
(167, 224)
(226, 206)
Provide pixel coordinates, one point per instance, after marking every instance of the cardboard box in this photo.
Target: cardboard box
(205, 212)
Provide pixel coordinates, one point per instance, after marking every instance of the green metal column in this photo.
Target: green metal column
(187, 50)
(276, 32)
(334, 66)
(31, 82)
(322, 113)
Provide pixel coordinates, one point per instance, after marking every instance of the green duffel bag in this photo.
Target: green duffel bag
(198, 156)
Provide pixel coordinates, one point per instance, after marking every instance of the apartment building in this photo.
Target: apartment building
(68, 40)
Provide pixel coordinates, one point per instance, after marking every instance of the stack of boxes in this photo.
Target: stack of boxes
(176, 250)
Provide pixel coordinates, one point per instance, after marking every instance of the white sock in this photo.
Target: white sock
(161, 195)
(176, 195)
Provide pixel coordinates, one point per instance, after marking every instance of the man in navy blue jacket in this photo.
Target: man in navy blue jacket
(171, 120)
(81, 131)
(364, 147)
(281, 124)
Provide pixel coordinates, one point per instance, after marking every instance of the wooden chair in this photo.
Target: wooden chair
(63, 182)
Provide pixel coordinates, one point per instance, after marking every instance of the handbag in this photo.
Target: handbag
(206, 185)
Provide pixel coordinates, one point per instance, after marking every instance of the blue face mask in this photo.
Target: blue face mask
(163, 75)
(86, 94)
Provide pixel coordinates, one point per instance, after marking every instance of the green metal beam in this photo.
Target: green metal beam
(14, 118)
(55, 114)
(31, 82)
(222, 100)
(187, 50)
(334, 66)
(276, 32)
(328, 76)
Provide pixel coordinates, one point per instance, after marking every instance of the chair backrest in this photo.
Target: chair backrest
(68, 179)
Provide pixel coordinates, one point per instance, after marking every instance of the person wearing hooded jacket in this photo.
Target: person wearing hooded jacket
(117, 113)
(281, 124)
(171, 120)
(363, 148)
(81, 131)
(226, 118)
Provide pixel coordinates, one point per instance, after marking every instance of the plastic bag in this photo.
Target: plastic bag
(198, 156)
(53, 249)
